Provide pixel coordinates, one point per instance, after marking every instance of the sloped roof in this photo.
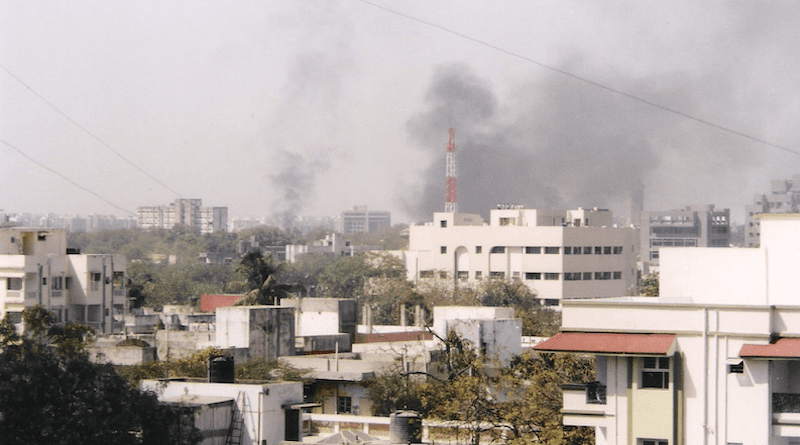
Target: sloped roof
(609, 343)
(782, 348)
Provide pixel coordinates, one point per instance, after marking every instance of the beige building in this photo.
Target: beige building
(187, 212)
(713, 360)
(36, 268)
(557, 254)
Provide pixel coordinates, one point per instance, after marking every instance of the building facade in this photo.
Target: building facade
(784, 197)
(36, 268)
(713, 360)
(557, 254)
(697, 226)
(361, 220)
(187, 212)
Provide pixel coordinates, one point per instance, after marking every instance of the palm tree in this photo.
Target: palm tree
(261, 281)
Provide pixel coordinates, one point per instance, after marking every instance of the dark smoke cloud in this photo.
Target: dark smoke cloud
(559, 143)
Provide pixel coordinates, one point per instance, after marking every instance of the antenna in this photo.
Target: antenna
(450, 197)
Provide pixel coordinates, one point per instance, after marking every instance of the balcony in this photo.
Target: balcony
(585, 404)
(119, 293)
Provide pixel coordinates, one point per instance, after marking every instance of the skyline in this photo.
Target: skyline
(311, 108)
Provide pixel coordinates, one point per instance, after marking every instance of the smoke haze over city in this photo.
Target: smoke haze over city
(309, 108)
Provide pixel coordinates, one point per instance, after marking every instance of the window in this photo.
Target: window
(598, 250)
(606, 250)
(515, 276)
(426, 274)
(551, 276)
(443, 223)
(478, 249)
(497, 275)
(617, 275)
(653, 442)
(443, 275)
(443, 249)
(653, 254)
(498, 249)
(552, 250)
(587, 250)
(572, 276)
(567, 250)
(587, 276)
(533, 275)
(463, 275)
(14, 283)
(94, 280)
(655, 372)
(617, 250)
(42, 237)
(57, 283)
(598, 275)
(44, 281)
(576, 250)
(344, 405)
(533, 250)
(606, 275)
(736, 368)
(478, 275)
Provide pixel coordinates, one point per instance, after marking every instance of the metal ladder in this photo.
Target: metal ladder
(236, 430)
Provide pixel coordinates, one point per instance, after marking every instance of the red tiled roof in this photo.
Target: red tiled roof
(617, 343)
(782, 348)
(208, 303)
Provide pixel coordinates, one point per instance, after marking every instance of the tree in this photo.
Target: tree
(260, 275)
(55, 398)
(521, 401)
(648, 286)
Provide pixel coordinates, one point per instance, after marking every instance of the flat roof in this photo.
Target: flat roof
(782, 348)
(609, 343)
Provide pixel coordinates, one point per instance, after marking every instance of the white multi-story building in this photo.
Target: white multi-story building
(714, 360)
(558, 254)
(187, 212)
(36, 268)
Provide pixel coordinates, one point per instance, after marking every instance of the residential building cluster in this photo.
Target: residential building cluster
(73, 223)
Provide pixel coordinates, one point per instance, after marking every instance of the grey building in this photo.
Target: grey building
(694, 226)
(361, 220)
(784, 197)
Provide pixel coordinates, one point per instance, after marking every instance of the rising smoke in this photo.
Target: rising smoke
(556, 143)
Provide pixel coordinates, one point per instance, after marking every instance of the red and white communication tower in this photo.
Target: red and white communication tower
(450, 197)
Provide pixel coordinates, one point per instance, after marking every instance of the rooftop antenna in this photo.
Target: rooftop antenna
(450, 197)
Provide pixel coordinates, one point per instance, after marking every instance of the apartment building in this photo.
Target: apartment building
(783, 197)
(713, 360)
(362, 220)
(187, 212)
(558, 254)
(694, 226)
(37, 268)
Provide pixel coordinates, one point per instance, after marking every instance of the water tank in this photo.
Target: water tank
(220, 369)
(405, 427)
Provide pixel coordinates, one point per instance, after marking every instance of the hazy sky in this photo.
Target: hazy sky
(312, 107)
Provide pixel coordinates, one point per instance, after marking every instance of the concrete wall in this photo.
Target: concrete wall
(267, 331)
(122, 355)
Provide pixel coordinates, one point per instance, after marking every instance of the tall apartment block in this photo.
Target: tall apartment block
(784, 197)
(695, 226)
(362, 220)
(188, 212)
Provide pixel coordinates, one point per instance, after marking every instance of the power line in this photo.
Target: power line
(89, 132)
(583, 79)
(66, 178)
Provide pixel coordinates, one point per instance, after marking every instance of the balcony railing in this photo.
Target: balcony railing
(785, 403)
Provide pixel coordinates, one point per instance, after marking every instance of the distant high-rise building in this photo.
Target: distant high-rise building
(696, 226)
(187, 212)
(783, 198)
(361, 220)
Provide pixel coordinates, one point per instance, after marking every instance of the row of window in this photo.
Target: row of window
(547, 276)
(554, 250)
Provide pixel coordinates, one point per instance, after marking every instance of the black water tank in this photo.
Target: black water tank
(405, 427)
(220, 369)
